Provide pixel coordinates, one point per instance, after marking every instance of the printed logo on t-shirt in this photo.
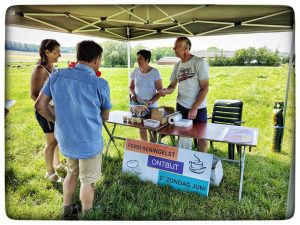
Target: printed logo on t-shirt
(184, 74)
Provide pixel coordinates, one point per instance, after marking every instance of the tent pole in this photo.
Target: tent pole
(292, 52)
(291, 191)
(128, 62)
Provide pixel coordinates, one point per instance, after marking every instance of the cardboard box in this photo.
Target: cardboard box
(161, 114)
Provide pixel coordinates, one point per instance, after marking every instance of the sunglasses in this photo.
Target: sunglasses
(48, 42)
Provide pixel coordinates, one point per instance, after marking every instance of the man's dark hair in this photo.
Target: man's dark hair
(186, 41)
(87, 51)
(145, 53)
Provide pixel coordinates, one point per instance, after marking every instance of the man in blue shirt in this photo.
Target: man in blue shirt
(82, 102)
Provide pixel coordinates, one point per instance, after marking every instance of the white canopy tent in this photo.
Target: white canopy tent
(141, 22)
(137, 22)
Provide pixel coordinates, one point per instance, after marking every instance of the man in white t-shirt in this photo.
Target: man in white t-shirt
(191, 74)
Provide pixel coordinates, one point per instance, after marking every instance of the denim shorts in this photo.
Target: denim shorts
(201, 114)
(46, 125)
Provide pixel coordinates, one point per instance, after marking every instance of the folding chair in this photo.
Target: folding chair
(228, 112)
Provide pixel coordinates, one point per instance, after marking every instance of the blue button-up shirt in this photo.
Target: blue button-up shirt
(79, 97)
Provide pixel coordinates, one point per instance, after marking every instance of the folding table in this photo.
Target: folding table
(244, 136)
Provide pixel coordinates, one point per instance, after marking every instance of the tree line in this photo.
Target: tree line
(115, 54)
(18, 46)
(250, 56)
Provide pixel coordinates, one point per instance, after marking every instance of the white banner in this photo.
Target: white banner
(179, 168)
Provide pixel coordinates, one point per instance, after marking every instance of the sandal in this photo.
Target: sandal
(52, 176)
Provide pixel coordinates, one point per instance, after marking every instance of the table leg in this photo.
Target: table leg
(173, 139)
(231, 151)
(242, 167)
(111, 139)
(153, 136)
(159, 138)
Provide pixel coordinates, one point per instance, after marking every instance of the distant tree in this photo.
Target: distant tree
(212, 49)
(266, 57)
(262, 55)
(114, 54)
(18, 46)
(169, 51)
(161, 52)
(285, 59)
(32, 48)
(250, 55)
(220, 60)
(273, 59)
(245, 56)
(240, 57)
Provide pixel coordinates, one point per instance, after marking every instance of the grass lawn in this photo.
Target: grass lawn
(123, 197)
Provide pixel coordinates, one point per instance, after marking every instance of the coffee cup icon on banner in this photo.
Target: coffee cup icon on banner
(197, 166)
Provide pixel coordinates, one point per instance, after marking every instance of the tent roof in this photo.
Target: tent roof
(137, 22)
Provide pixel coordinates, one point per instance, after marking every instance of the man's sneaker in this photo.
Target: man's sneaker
(71, 212)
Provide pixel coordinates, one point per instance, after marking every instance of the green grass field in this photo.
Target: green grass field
(122, 197)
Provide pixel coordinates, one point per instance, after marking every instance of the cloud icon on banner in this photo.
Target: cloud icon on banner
(134, 165)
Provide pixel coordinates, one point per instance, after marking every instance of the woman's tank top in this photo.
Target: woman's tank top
(51, 102)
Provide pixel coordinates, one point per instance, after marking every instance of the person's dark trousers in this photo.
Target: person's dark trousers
(200, 118)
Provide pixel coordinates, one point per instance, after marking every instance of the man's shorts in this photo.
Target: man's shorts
(46, 125)
(89, 170)
(201, 114)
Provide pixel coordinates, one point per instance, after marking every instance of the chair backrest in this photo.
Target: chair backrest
(227, 112)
